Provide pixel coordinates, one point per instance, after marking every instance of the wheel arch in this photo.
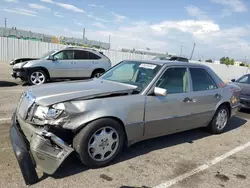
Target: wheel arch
(228, 105)
(39, 68)
(107, 117)
(97, 69)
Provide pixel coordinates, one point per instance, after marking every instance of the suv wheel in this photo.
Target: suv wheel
(99, 142)
(37, 77)
(219, 121)
(97, 73)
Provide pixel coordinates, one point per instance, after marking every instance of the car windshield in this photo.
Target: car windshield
(47, 54)
(139, 74)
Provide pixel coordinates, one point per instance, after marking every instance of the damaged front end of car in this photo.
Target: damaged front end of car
(34, 142)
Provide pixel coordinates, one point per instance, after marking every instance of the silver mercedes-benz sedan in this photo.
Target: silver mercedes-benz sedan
(133, 101)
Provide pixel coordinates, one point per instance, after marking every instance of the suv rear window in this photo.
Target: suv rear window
(93, 56)
(80, 54)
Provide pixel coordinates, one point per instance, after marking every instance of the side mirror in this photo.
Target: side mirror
(160, 92)
(51, 57)
(233, 80)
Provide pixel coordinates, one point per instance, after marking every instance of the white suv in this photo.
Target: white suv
(68, 63)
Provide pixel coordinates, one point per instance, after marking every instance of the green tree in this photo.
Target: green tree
(209, 61)
(231, 61)
(222, 60)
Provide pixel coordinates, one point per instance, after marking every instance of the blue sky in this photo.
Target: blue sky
(218, 27)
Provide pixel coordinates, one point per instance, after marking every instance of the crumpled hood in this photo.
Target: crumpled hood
(49, 94)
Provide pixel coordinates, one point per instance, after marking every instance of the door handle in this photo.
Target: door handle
(217, 95)
(187, 100)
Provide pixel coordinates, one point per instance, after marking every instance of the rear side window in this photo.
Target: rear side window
(201, 80)
(93, 56)
(81, 54)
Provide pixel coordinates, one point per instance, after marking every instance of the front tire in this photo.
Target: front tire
(219, 121)
(99, 142)
(37, 77)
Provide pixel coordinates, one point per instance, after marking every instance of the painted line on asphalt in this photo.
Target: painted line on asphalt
(5, 119)
(13, 90)
(202, 167)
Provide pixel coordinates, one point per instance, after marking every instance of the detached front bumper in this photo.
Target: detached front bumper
(35, 147)
(20, 73)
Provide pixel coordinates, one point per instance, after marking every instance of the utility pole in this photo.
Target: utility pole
(192, 52)
(181, 51)
(5, 22)
(109, 42)
(83, 34)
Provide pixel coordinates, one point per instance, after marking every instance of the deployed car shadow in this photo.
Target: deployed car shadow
(73, 165)
(7, 84)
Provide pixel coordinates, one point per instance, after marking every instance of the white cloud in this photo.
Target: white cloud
(189, 26)
(98, 24)
(21, 11)
(232, 5)
(12, 1)
(118, 17)
(94, 6)
(196, 12)
(37, 6)
(57, 14)
(97, 18)
(65, 6)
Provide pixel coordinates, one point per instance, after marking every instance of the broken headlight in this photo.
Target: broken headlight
(53, 115)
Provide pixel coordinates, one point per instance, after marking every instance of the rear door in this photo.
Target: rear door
(85, 62)
(205, 96)
(62, 66)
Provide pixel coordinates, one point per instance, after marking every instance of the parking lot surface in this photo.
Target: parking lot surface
(169, 161)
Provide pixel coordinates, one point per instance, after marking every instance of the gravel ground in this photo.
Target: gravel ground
(145, 164)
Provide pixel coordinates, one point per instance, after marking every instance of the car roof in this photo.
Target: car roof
(167, 62)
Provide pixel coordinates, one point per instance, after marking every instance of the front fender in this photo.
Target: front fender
(127, 109)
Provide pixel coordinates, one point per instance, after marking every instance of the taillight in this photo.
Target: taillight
(222, 85)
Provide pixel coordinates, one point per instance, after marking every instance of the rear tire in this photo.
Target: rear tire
(219, 121)
(37, 77)
(97, 73)
(99, 142)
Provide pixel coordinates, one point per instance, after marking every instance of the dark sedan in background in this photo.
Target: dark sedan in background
(244, 83)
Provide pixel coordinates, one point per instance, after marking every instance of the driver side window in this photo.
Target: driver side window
(175, 80)
(64, 55)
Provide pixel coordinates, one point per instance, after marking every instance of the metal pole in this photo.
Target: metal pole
(192, 52)
(5, 22)
(83, 33)
(109, 42)
(181, 51)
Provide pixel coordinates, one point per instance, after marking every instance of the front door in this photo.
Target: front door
(169, 114)
(63, 65)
